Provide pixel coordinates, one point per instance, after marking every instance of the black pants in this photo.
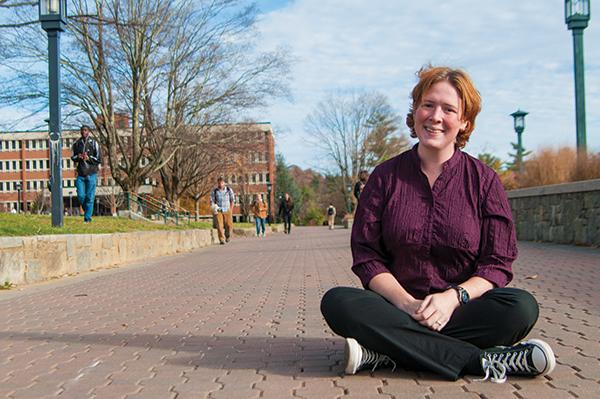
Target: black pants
(501, 316)
(287, 222)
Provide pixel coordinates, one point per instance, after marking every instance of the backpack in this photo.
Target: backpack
(330, 211)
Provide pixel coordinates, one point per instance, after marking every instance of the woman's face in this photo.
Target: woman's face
(438, 118)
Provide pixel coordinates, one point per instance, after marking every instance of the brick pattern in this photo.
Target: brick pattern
(243, 321)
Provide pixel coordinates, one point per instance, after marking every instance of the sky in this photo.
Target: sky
(518, 53)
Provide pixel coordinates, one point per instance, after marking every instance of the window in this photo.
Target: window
(28, 185)
(20, 165)
(26, 144)
(253, 178)
(34, 144)
(7, 164)
(68, 163)
(15, 185)
(47, 164)
(35, 184)
(20, 145)
(14, 165)
(1, 186)
(27, 165)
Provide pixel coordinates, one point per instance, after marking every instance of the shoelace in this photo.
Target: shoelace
(372, 357)
(499, 364)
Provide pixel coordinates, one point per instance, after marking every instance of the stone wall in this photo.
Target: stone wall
(561, 213)
(29, 259)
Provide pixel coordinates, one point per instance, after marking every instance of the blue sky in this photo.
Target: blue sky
(519, 55)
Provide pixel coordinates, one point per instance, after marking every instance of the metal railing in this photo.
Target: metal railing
(154, 209)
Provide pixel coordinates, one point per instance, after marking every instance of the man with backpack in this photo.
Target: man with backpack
(221, 203)
(331, 216)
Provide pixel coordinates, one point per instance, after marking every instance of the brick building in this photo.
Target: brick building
(25, 170)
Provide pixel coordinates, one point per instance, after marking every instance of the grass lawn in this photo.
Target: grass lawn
(30, 225)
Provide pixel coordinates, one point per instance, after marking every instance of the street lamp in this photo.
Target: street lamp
(519, 121)
(577, 15)
(19, 197)
(348, 196)
(71, 203)
(53, 16)
(269, 188)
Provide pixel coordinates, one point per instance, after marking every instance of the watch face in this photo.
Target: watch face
(464, 296)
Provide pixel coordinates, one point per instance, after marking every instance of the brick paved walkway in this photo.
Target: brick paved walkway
(242, 321)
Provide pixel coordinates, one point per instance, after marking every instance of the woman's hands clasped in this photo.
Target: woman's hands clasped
(435, 310)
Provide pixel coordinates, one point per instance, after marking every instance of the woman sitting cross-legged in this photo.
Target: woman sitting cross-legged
(433, 242)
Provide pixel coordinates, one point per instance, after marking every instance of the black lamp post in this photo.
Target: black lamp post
(53, 16)
(19, 187)
(269, 188)
(71, 203)
(519, 120)
(349, 198)
(577, 15)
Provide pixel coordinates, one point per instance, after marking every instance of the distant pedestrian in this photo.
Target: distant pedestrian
(221, 200)
(259, 210)
(331, 216)
(88, 157)
(363, 176)
(285, 211)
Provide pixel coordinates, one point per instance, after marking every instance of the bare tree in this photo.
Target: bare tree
(166, 64)
(355, 131)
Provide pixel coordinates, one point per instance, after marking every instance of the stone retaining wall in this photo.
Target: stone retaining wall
(561, 213)
(25, 260)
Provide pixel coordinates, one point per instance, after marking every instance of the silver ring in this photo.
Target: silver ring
(438, 322)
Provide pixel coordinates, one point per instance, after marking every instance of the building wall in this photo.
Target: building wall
(561, 213)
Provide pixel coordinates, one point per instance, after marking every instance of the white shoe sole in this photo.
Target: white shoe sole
(548, 353)
(353, 355)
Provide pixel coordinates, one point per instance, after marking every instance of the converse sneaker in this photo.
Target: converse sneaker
(528, 358)
(358, 358)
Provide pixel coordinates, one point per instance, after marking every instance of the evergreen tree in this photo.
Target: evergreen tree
(286, 184)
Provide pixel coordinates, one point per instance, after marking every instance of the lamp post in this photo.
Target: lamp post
(19, 187)
(53, 16)
(71, 203)
(519, 120)
(577, 15)
(269, 188)
(348, 196)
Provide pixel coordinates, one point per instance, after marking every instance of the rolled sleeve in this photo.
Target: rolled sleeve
(498, 238)
(368, 251)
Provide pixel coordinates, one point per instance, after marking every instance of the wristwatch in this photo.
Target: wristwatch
(463, 295)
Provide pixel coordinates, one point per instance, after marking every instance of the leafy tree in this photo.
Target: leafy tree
(491, 161)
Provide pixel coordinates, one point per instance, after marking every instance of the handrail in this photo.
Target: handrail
(147, 205)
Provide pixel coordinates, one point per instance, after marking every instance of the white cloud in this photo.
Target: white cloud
(519, 54)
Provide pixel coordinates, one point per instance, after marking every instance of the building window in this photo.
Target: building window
(1, 186)
(68, 163)
(47, 164)
(27, 165)
(14, 165)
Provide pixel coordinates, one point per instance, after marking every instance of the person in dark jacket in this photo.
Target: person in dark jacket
(88, 157)
(286, 206)
(363, 176)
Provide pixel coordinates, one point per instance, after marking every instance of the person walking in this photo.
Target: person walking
(221, 200)
(433, 243)
(331, 216)
(286, 206)
(259, 211)
(363, 176)
(88, 157)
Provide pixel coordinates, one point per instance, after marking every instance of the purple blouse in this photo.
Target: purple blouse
(429, 238)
